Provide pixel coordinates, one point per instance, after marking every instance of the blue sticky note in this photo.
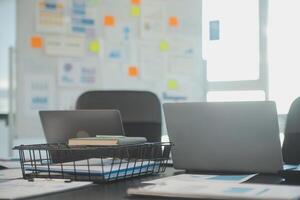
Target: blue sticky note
(214, 30)
(238, 190)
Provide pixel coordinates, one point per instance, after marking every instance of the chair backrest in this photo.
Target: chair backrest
(291, 144)
(140, 110)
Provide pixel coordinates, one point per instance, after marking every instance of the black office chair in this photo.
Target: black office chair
(291, 144)
(140, 110)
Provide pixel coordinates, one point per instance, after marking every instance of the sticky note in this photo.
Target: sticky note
(164, 46)
(94, 46)
(173, 21)
(136, 2)
(93, 2)
(36, 42)
(133, 71)
(172, 84)
(109, 21)
(135, 11)
(214, 30)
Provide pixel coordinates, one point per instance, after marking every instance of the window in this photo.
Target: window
(7, 40)
(283, 52)
(234, 47)
(234, 54)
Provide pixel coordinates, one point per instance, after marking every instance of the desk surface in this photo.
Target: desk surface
(117, 190)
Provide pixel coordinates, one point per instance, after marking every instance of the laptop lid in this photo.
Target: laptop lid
(224, 136)
(59, 126)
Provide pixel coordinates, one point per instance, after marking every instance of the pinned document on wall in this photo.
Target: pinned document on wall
(84, 18)
(116, 52)
(51, 16)
(77, 74)
(73, 46)
(152, 20)
(40, 93)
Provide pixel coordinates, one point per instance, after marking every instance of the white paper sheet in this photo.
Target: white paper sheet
(201, 178)
(73, 73)
(51, 16)
(10, 164)
(152, 20)
(218, 190)
(40, 93)
(8, 174)
(65, 46)
(22, 188)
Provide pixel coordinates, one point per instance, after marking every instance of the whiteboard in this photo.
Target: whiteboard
(67, 47)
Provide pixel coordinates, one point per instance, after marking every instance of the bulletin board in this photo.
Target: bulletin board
(67, 47)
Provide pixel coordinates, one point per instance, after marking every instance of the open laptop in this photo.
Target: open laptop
(224, 136)
(60, 126)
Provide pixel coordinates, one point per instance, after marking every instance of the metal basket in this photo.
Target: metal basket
(92, 163)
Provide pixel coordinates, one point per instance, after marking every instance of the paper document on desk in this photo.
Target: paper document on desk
(10, 163)
(218, 190)
(9, 174)
(20, 188)
(207, 178)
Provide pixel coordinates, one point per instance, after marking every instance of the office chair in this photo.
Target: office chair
(140, 110)
(291, 144)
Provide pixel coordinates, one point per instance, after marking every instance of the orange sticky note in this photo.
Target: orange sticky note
(173, 21)
(136, 2)
(133, 71)
(109, 21)
(36, 42)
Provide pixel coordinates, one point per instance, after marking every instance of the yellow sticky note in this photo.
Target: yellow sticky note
(94, 46)
(172, 84)
(36, 42)
(135, 11)
(164, 46)
(93, 2)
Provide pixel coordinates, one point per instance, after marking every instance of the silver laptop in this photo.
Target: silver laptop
(224, 136)
(59, 126)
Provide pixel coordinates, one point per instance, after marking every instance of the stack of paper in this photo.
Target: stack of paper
(106, 171)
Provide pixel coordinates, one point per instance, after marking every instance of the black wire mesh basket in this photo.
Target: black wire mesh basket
(92, 163)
